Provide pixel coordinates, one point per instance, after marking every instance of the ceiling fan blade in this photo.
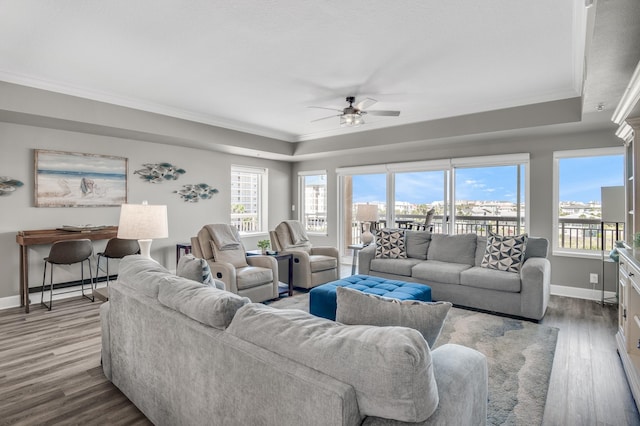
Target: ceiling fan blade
(365, 103)
(324, 118)
(384, 113)
(330, 109)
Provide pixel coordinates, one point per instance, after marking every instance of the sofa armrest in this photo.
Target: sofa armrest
(301, 268)
(325, 251)
(365, 256)
(105, 356)
(535, 277)
(462, 377)
(226, 273)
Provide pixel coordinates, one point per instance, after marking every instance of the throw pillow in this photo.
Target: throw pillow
(390, 244)
(197, 269)
(390, 368)
(358, 308)
(504, 253)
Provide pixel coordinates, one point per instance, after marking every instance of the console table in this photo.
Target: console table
(48, 236)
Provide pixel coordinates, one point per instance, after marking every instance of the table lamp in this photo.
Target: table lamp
(143, 222)
(366, 214)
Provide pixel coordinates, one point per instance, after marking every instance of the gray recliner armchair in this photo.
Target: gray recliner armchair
(255, 277)
(312, 266)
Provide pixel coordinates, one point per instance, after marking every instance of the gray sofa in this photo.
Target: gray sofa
(450, 265)
(187, 354)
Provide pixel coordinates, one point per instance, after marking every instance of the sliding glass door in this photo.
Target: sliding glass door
(415, 194)
(469, 195)
(489, 199)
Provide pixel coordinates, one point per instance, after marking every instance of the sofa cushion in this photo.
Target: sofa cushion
(390, 244)
(435, 271)
(536, 247)
(319, 262)
(394, 266)
(491, 279)
(417, 244)
(390, 368)
(253, 276)
(481, 247)
(358, 308)
(141, 274)
(459, 248)
(197, 269)
(504, 253)
(207, 305)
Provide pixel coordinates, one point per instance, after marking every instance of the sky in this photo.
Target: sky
(580, 181)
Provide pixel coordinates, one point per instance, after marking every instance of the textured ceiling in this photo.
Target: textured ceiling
(258, 66)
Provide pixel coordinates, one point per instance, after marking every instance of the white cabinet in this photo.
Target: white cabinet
(628, 336)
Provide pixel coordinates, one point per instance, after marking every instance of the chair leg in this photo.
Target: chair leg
(51, 289)
(97, 271)
(82, 279)
(107, 259)
(44, 280)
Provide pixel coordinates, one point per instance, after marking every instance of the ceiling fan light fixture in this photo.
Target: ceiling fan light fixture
(351, 120)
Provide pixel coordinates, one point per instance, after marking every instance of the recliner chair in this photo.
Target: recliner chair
(255, 277)
(312, 266)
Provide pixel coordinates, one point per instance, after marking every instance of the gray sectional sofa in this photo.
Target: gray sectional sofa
(188, 354)
(450, 265)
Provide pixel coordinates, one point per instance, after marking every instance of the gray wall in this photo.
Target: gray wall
(566, 271)
(17, 143)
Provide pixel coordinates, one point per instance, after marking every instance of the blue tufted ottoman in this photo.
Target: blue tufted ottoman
(322, 299)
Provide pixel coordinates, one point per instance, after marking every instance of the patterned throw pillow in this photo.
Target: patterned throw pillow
(390, 244)
(504, 253)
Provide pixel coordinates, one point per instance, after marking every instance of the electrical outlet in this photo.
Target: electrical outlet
(593, 278)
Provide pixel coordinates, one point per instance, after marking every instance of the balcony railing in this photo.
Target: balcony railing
(246, 222)
(582, 234)
(316, 222)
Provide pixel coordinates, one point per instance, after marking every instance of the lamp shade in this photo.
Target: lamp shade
(367, 213)
(612, 199)
(143, 222)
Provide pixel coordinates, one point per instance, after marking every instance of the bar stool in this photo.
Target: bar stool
(116, 248)
(66, 253)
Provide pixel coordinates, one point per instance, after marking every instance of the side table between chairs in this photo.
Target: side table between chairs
(280, 256)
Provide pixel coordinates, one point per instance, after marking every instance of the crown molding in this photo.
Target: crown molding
(629, 100)
(156, 108)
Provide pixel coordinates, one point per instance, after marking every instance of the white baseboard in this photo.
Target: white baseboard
(9, 302)
(581, 293)
(76, 291)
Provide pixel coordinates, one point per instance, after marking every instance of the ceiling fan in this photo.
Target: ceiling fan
(353, 115)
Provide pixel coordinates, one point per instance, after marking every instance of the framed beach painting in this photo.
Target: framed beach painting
(71, 179)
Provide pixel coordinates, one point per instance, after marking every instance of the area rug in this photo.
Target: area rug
(519, 355)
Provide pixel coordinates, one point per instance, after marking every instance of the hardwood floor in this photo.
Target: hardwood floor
(50, 368)
(587, 385)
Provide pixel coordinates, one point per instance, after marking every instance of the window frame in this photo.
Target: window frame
(262, 197)
(556, 250)
(302, 200)
(448, 166)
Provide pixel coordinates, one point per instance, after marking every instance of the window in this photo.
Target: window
(578, 178)
(249, 199)
(359, 187)
(313, 201)
(418, 192)
(490, 199)
(469, 195)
